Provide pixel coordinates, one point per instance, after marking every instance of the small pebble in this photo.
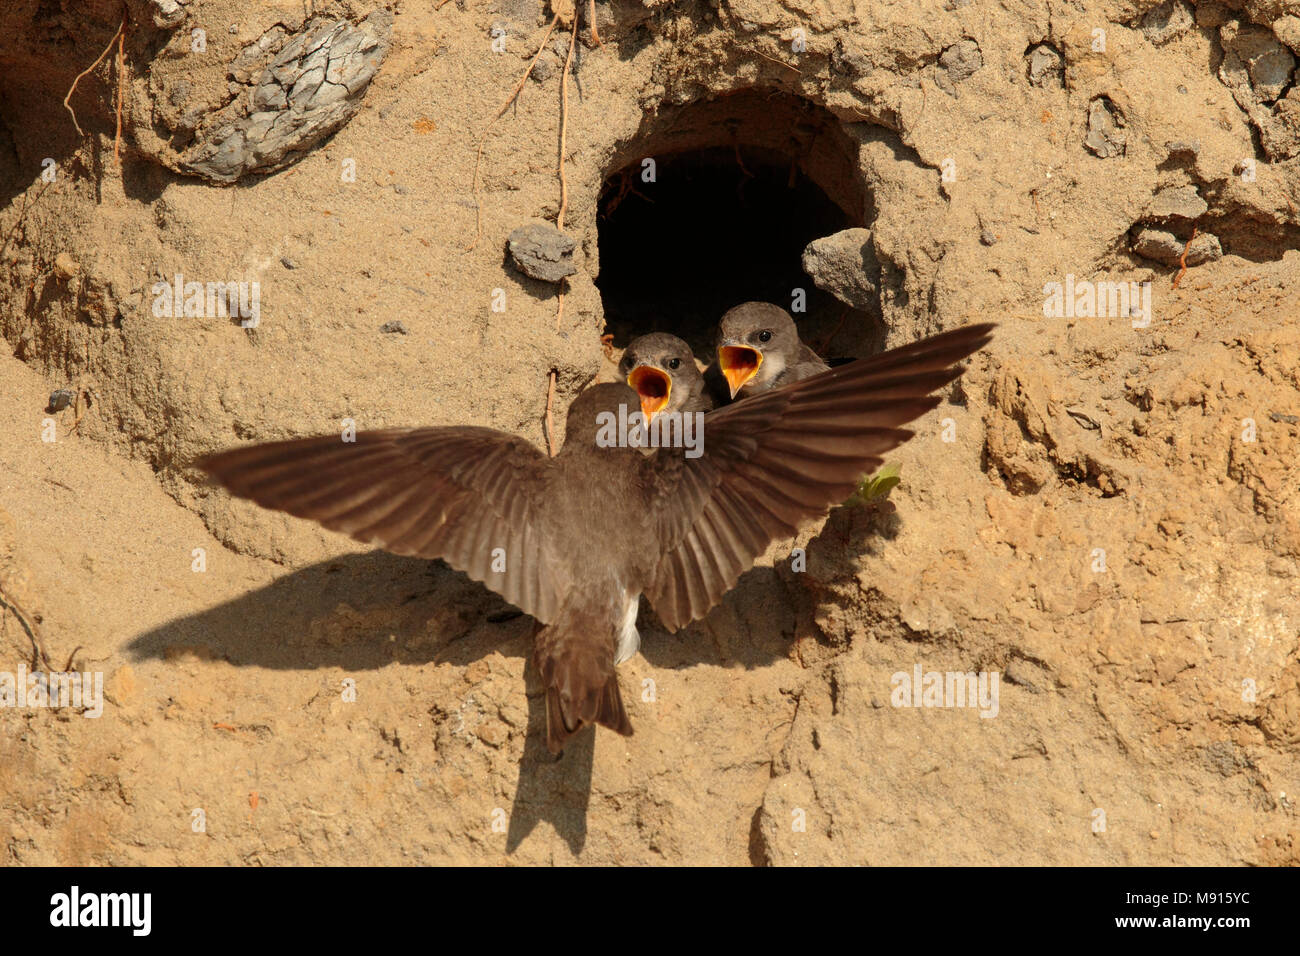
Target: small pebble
(400, 189)
(60, 399)
(394, 325)
(66, 266)
(541, 251)
(987, 237)
(288, 262)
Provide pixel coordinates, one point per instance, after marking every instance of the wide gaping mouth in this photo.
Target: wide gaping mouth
(653, 387)
(739, 364)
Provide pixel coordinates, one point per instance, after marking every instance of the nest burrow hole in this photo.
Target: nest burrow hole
(740, 185)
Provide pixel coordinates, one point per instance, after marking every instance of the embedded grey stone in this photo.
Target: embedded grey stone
(1225, 758)
(1160, 245)
(1047, 67)
(1271, 72)
(541, 251)
(844, 264)
(960, 62)
(394, 325)
(1106, 136)
(311, 86)
(167, 13)
(1182, 202)
(847, 60)
(1257, 68)
(1167, 22)
(1204, 248)
(60, 399)
(547, 65)
(1254, 54)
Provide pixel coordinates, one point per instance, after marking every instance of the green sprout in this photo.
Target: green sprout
(878, 486)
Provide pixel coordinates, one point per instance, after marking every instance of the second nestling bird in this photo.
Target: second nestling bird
(759, 350)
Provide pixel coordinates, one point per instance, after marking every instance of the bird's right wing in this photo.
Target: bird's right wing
(771, 462)
(468, 495)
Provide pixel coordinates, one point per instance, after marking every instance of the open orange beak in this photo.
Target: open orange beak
(739, 364)
(653, 386)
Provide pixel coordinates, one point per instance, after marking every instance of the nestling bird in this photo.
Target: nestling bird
(679, 530)
(662, 369)
(759, 349)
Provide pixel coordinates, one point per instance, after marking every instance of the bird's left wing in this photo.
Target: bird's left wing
(771, 462)
(455, 493)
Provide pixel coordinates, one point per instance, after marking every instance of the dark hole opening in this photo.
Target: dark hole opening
(726, 224)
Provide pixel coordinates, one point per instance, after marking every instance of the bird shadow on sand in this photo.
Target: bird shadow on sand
(365, 611)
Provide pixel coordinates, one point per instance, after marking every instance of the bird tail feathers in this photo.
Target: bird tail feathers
(565, 717)
(581, 688)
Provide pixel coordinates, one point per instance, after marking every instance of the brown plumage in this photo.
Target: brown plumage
(585, 534)
(758, 349)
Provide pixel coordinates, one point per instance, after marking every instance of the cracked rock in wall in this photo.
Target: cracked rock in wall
(1106, 136)
(1254, 54)
(960, 62)
(541, 251)
(167, 13)
(1167, 22)
(1257, 68)
(843, 265)
(1046, 67)
(1182, 202)
(311, 87)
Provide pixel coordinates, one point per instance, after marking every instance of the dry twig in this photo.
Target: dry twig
(78, 412)
(39, 655)
(478, 155)
(80, 76)
(564, 183)
(121, 74)
(564, 125)
(826, 342)
(781, 62)
(1182, 260)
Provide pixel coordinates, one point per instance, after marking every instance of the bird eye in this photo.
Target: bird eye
(674, 363)
(765, 336)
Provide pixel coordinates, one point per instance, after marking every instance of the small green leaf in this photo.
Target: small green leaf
(879, 485)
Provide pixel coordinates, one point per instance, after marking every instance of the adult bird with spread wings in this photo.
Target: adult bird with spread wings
(577, 539)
